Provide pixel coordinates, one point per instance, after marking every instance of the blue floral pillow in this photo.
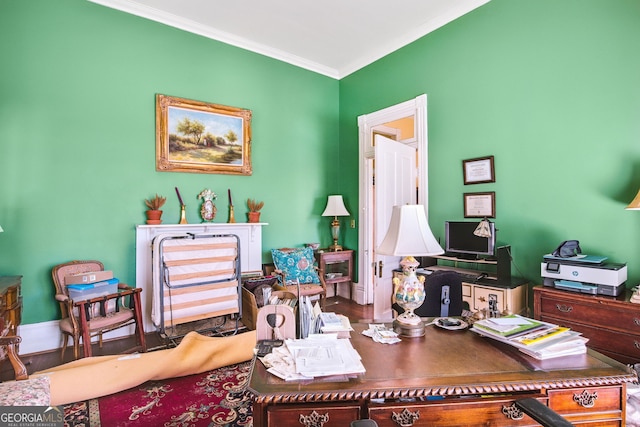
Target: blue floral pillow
(296, 264)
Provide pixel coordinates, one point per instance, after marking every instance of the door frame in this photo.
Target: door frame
(367, 124)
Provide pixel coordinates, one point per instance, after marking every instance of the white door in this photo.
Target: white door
(388, 121)
(395, 165)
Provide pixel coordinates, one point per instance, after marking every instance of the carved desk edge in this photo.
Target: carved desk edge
(429, 391)
(507, 387)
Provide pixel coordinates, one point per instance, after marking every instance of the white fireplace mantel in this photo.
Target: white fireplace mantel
(250, 235)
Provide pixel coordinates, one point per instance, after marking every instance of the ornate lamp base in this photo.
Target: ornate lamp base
(335, 234)
(335, 248)
(409, 294)
(409, 331)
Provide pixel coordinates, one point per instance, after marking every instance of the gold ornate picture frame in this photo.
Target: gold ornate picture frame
(199, 137)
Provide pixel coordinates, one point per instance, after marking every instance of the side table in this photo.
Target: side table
(337, 267)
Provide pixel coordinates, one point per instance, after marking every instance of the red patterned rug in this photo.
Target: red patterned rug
(214, 398)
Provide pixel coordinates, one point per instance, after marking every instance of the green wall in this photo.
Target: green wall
(77, 138)
(551, 88)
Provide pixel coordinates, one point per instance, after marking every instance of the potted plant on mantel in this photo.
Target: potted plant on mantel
(254, 210)
(154, 213)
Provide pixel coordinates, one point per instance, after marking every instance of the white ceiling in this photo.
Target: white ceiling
(330, 37)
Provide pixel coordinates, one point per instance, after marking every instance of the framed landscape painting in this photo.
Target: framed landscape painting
(198, 137)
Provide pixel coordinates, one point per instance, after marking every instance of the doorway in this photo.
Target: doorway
(386, 179)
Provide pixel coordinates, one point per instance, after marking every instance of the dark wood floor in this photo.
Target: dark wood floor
(46, 360)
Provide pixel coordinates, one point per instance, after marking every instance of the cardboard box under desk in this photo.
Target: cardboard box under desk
(250, 307)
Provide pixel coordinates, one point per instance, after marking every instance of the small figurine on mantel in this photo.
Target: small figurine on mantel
(208, 209)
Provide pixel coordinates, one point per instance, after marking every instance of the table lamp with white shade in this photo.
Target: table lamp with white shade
(409, 235)
(335, 208)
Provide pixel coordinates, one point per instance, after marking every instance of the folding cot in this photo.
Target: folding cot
(195, 277)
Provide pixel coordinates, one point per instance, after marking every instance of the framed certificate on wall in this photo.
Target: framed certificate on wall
(478, 170)
(480, 205)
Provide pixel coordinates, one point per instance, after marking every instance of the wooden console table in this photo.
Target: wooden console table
(446, 378)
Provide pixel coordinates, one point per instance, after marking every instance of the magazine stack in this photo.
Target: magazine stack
(540, 340)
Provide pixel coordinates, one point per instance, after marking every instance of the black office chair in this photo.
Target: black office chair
(443, 290)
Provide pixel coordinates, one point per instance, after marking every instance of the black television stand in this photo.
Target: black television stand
(501, 260)
(464, 257)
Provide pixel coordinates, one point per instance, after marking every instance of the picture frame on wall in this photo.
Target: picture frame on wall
(200, 137)
(480, 205)
(478, 170)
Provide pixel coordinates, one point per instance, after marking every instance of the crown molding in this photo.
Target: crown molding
(417, 33)
(190, 26)
(134, 8)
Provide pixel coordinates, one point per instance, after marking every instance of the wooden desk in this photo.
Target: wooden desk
(446, 378)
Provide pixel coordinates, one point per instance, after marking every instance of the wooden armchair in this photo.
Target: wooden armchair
(298, 264)
(95, 316)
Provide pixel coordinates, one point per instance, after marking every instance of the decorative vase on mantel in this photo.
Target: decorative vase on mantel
(153, 216)
(208, 209)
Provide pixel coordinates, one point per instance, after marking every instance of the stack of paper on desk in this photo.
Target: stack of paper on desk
(541, 340)
(332, 323)
(566, 345)
(509, 326)
(317, 356)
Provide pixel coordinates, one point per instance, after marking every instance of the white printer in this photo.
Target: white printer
(585, 274)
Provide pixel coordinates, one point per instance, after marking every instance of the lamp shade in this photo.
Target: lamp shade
(335, 207)
(635, 203)
(409, 234)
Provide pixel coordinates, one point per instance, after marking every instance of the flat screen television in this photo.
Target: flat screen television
(460, 240)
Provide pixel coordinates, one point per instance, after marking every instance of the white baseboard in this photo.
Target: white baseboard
(357, 292)
(46, 336)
